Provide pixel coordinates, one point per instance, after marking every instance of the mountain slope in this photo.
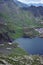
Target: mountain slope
(14, 18)
(37, 11)
(14, 14)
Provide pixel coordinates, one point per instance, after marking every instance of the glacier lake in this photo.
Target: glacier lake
(31, 46)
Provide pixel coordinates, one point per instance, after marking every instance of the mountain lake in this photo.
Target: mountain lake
(31, 46)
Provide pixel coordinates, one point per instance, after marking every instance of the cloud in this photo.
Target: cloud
(41, 1)
(31, 1)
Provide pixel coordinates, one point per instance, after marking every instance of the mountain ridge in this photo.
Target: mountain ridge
(21, 4)
(34, 8)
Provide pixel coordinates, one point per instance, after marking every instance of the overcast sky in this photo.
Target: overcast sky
(31, 1)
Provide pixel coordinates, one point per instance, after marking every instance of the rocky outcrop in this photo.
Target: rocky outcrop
(41, 35)
(40, 30)
(28, 32)
(4, 37)
(22, 60)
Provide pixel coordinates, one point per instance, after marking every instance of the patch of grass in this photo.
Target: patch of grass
(18, 51)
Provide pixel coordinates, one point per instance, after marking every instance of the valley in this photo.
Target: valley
(21, 28)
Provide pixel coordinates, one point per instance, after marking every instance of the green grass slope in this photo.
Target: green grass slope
(16, 18)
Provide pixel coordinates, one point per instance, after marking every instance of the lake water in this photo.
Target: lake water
(32, 46)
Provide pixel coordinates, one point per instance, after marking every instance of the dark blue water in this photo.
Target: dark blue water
(32, 46)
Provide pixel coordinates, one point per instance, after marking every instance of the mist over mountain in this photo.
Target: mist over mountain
(12, 10)
(28, 4)
(36, 11)
(35, 8)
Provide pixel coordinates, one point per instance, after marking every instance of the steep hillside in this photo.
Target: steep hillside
(19, 16)
(15, 18)
(16, 15)
(36, 11)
